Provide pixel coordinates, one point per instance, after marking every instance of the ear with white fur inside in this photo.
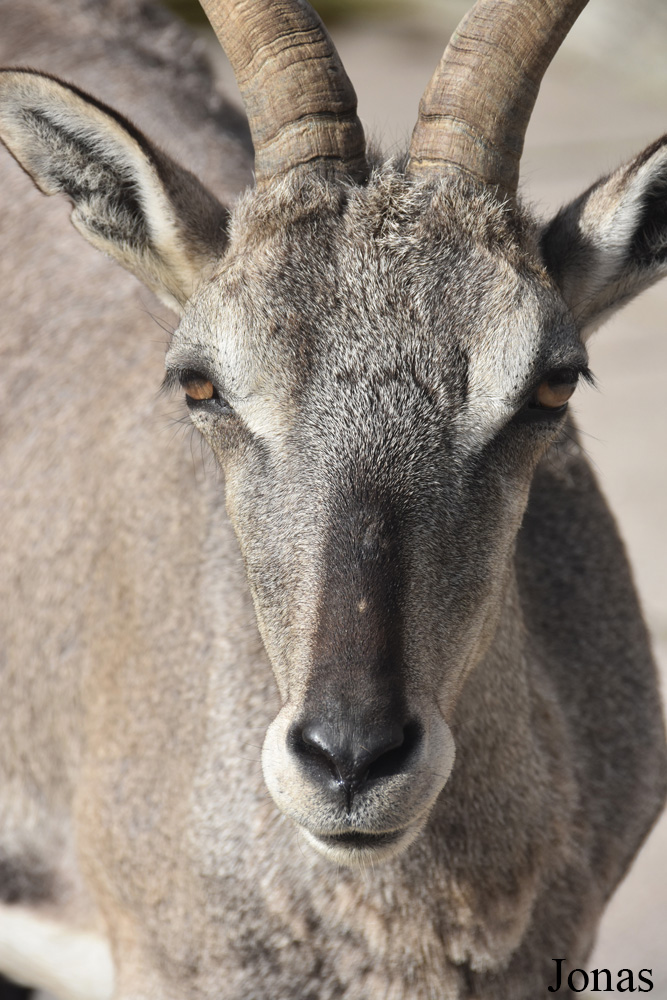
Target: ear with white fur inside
(611, 243)
(130, 200)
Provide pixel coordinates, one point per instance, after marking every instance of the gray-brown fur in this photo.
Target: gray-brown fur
(377, 348)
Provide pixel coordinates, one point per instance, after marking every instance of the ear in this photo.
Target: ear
(611, 242)
(130, 200)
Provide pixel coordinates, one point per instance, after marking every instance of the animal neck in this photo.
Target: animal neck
(521, 771)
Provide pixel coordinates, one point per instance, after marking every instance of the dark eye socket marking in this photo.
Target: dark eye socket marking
(552, 393)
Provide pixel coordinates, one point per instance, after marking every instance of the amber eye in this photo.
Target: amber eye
(201, 395)
(197, 387)
(554, 392)
(199, 390)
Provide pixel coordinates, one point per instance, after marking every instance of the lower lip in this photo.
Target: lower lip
(359, 840)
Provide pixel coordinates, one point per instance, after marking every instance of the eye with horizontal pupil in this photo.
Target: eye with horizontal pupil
(555, 391)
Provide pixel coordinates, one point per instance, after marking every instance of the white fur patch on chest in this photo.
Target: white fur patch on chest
(45, 954)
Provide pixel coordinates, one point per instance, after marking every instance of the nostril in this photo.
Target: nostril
(354, 758)
(394, 759)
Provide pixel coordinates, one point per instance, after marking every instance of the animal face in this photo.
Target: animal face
(368, 378)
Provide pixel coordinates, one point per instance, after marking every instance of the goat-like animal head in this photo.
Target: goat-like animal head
(378, 423)
(378, 359)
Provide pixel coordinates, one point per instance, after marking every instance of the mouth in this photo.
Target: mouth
(355, 847)
(358, 839)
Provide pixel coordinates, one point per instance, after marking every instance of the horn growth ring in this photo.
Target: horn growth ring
(475, 111)
(301, 106)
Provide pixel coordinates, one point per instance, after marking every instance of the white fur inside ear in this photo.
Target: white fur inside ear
(591, 246)
(68, 144)
(44, 954)
(615, 210)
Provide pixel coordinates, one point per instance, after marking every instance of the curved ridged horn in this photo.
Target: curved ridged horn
(301, 106)
(475, 111)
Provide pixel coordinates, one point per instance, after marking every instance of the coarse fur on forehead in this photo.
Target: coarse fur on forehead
(439, 284)
(392, 217)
